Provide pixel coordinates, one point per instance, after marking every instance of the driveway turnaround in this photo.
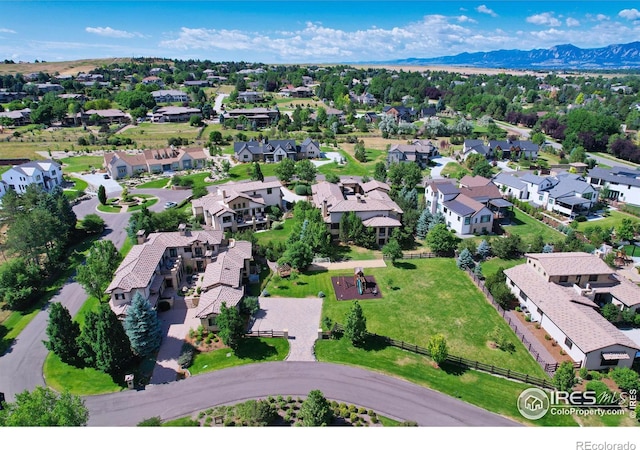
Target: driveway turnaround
(300, 316)
(390, 397)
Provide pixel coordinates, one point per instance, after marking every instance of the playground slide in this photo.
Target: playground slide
(359, 283)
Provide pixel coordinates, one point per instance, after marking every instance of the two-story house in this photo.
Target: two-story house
(238, 205)
(169, 96)
(123, 164)
(418, 151)
(46, 174)
(622, 183)
(563, 292)
(370, 202)
(276, 150)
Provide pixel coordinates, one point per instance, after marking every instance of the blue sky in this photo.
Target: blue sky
(311, 31)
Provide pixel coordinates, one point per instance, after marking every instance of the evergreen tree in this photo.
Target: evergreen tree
(143, 326)
(380, 172)
(478, 271)
(438, 218)
(230, 326)
(537, 244)
(102, 195)
(104, 342)
(548, 248)
(63, 334)
(355, 328)
(256, 172)
(465, 260)
(484, 249)
(316, 410)
(422, 227)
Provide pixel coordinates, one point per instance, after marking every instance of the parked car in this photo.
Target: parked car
(105, 176)
(170, 205)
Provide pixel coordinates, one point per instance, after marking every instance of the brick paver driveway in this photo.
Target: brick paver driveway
(301, 316)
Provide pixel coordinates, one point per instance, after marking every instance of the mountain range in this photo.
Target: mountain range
(617, 56)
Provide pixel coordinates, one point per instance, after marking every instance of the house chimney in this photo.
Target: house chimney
(140, 237)
(324, 207)
(182, 228)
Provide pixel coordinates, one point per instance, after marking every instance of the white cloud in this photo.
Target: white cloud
(630, 14)
(7, 30)
(571, 22)
(485, 10)
(602, 17)
(544, 19)
(110, 32)
(463, 19)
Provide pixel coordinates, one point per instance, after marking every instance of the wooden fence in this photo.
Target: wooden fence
(415, 255)
(265, 333)
(548, 367)
(458, 360)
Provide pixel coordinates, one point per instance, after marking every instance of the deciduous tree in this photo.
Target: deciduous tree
(441, 241)
(355, 327)
(43, 407)
(285, 170)
(438, 349)
(565, 377)
(95, 275)
(230, 325)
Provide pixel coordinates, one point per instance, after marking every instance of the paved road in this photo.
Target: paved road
(389, 396)
(441, 161)
(611, 163)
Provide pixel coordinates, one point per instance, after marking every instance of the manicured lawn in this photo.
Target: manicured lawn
(265, 237)
(486, 391)
(490, 266)
(109, 209)
(81, 163)
(451, 169)
(85, 381)
(305, 284)
(250, 350)
(613, 220)
(527, 228)
(155, 184)
(78, 184)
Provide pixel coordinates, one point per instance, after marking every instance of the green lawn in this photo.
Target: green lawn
(305, 284)
(250, 350)
(78, 184)
(85, 381)
(154, 184)
(265, 237)
(451, 169)
(490, 266)
(484, 390)
(613, 220)
(527, 228)
(81, 163)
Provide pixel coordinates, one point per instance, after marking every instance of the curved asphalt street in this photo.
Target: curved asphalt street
(388, 396)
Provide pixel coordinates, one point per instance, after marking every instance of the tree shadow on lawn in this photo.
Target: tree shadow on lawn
(374, 343)
(254, 349)
(513, 221)
(405, 265)
(453, 369)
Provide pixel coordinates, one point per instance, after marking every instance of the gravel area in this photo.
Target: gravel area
(301, 316)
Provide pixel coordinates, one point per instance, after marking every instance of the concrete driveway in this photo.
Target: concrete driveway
(176, 324)
(301, 316)
(97, 179)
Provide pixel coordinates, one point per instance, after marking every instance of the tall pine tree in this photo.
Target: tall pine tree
(143, 326)
(104, 342)
(63, 334)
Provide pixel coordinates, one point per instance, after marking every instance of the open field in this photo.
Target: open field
(63, 67)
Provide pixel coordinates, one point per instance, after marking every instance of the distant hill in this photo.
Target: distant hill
(613, 57)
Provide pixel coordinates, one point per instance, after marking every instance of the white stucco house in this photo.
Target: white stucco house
(47, 174)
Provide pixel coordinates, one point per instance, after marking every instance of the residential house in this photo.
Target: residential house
(47, 174)
(123, 164)
(174, 114)
(364, 99)
(418, 151)
(623, 183)
(476, 146)
(296, 92)
(239, 205)
(402, 113)
(261, 117)
(510, 186)
(44, 88)
(153, 80)
(276, 150)
(371, 203)
(563, 292)
(197, 83)
(514, 149)
(250, 97)
(108, 116)
(8, 96)
(169, 96)
(19, 117)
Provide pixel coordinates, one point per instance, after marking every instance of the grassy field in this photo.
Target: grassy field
(156, 135)
(527, 228)
(492, 393)
(81, 163)
(452, 169)
(155, 184)
(421, 298)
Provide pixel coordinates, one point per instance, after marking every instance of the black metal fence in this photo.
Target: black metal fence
(265, 333)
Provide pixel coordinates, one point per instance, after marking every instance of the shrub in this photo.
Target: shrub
(527, 318)
(277, 226)
(362, 411)
(581, 219)
(321, 294)
(594, 375)
(186, 355)
(353, 417)
(302, 189)
(265, 293)
(352, 408)
(602, 391)
(547, 337)
(584, 373)
(625, 378)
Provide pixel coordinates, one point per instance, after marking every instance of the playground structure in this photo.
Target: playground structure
(621, 258)
(358, 287)
(359, 280)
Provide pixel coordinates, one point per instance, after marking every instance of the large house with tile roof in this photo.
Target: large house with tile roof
(239, 205)
(122, 164)
(46, 174)
(159, 265)
(564, 292)
(370, 202)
